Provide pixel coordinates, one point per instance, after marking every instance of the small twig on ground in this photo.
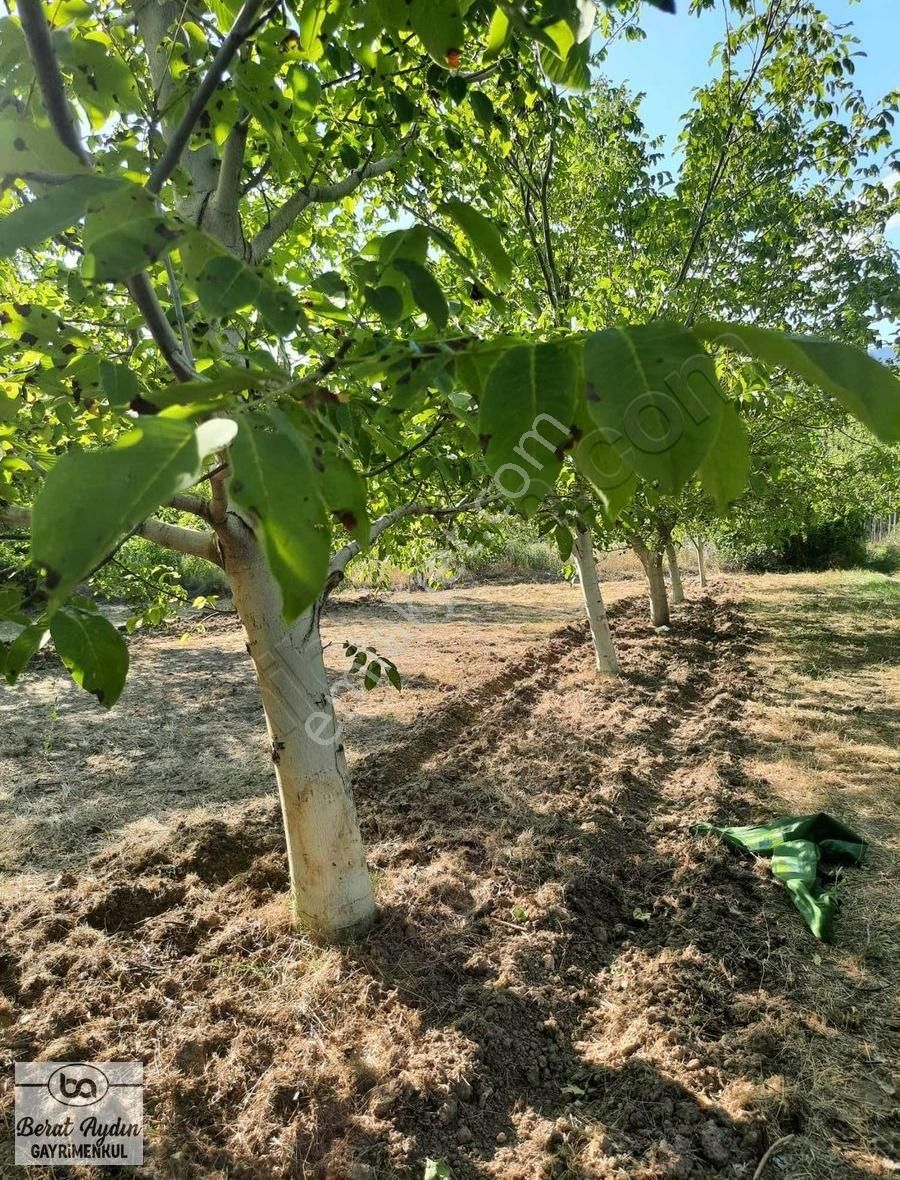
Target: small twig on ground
(760, 1167)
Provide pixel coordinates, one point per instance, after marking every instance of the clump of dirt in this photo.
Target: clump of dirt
(563, 982)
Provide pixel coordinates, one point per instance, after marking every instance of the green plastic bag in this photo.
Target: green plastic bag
(800, 846)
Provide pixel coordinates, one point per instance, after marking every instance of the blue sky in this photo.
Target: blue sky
(674, 58)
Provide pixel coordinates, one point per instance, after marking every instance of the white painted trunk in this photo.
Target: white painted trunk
(330, 885)
(701, 563)
(651, 560)
(675, 575)
(595, 609)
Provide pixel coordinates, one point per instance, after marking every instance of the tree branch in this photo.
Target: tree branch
(344, 556)
(285, 216)
(53, 92)
(15, 516)
(141, 291)
(193, 505)
(241, 29)
(225, 200)
(426, 438)
(192, 542)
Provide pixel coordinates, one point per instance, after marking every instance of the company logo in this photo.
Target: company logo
(79, 1112)
(78, 1084)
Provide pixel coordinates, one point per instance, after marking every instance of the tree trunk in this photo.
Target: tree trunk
(701, 563)
(330, 886)
(674, 574)
(651, 560)
(604, 652)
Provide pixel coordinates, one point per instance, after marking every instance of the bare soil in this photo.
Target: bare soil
(563, 981)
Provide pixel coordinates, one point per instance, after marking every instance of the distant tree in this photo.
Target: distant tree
(200, 318)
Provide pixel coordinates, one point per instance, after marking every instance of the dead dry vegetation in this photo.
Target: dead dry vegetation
(563, 981)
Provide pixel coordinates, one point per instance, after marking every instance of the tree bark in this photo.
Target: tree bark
(330, 886)
(674, 574)
(701, 563)
(595, 609)
(651, 560)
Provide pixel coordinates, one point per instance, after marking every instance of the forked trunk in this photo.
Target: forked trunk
(604, 652)
(701, 563)
(651, 560)
(330, 885)
(674, 574)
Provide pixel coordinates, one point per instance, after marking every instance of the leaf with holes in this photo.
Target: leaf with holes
(225, 284)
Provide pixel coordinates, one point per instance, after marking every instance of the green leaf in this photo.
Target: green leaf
(394, 14)
(16, 655)
(482, 108)
(94, 652)
(27, 150)
(564, 541)
(498, 35)
(425, 290)
(653, 391)
(393, 675)
(409, 243)
(373, 675)
(11, 598)
(386, 301)
(526, 419)
(483, 235)
(725, 470)
(226, 284)
(120, 384)
(866, 388)
(344, 492)
(562, 35)
(231, 381)
(437, 1170)
(573, 70)
(61, 207)
(91, 499)
(273, 478)
(439, 26)
(124, 232)
(306, 91)
(603, 466)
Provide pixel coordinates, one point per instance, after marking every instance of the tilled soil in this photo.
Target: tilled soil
(563, 981)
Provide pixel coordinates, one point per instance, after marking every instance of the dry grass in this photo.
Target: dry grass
(823, 732)
(565, 984)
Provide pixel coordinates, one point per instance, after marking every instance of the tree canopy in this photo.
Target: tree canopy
(310, 265)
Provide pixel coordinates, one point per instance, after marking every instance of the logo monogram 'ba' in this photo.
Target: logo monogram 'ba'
(77, 1087)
